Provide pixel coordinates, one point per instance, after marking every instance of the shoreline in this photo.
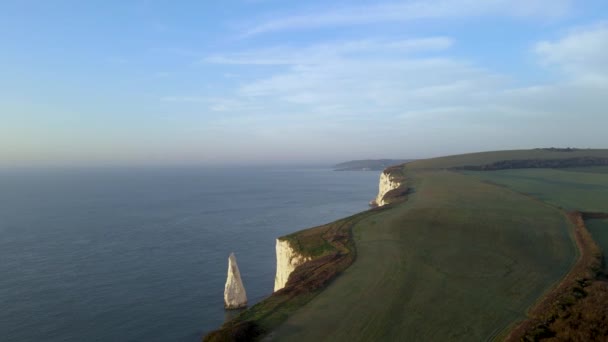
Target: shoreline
(306, 281)
(309, 279)
(329, 250)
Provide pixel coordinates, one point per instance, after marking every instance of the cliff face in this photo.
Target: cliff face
(287, 261)
(387, 183)
(234, 292)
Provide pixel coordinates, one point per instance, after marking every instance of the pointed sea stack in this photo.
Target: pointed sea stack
(235, 296)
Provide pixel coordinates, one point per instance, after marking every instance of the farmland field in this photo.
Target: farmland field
(463, 258)
(599, 231)
(491, 157)
(593, 169)
(460, 260)
(584, 189)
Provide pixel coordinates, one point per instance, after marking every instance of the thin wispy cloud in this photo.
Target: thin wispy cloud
(184, 99)
(356, 76)
(582, 53)
(216, 104)
(322, 53)
(409, 11)
(323, 79)
(418, 83)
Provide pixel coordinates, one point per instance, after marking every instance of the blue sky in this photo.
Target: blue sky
(268, 81)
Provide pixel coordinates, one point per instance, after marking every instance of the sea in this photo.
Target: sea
(141, 254)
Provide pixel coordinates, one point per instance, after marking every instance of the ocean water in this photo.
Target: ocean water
(141, 254)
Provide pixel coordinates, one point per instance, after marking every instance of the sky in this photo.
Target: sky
(270, 81)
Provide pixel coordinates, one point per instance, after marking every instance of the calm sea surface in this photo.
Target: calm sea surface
(141, 254)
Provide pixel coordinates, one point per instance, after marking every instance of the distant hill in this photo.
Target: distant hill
(369, 164)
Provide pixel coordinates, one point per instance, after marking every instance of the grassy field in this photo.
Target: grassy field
(575, 310)
(332, 247)
(461, 260)
(464, 258)
(599, 231)
(595, 169)
(583, 189)
(483, 158)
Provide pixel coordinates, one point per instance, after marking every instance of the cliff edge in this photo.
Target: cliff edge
(392, 185)
(287, 261)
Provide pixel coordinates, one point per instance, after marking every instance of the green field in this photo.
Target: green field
(463, 258)
(490, 157)
(595, 169)
(460, 260)
(599, 231)
(584, 189)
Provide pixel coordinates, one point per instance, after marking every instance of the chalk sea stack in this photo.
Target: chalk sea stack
(235, 296)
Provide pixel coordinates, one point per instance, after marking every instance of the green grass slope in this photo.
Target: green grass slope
(332, 249)
(484, 158)
(463, 258)
(599, 231)
(576, 310)
(460, 260)
(582, 189)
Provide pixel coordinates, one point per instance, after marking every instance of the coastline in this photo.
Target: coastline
(304, 284)
(328, 250)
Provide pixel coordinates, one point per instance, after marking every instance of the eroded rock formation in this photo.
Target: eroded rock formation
(387, 183)
(234, 292)
(287, 261)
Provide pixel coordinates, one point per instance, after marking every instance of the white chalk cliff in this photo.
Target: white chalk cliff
(234, 292)
(287, 261)
(387, 183)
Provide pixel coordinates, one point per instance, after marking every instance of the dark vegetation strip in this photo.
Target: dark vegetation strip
(537, 164)
(397, 195)
(333, 250)
(592, 215)
(560, 149)
(575, 310)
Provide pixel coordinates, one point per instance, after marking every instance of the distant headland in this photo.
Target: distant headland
(369, 164)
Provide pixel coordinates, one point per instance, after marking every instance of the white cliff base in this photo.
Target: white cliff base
(234, 292)
(386, 184)
(287, 261)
